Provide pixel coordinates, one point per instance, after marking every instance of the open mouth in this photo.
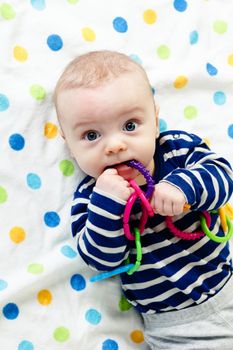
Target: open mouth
(124, 170)
(117, 165)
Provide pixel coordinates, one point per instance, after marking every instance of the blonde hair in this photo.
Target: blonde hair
(93, 68)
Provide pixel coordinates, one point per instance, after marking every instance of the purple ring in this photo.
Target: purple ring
(150, 182)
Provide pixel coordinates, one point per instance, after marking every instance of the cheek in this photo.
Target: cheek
(88, 163)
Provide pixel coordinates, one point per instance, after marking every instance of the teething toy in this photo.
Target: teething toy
(205, 220)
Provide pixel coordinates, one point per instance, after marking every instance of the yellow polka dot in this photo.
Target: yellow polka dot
(17, 234)
(50, 130)
(207, 141)
(180, 82)
(137, 336)
(149, 16)
(20, 54)
(88, 34)
(230, 60)
(44, 297)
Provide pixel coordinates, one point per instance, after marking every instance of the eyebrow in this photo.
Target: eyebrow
(83, 123)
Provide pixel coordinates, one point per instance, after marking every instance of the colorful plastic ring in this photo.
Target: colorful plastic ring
(215, 238)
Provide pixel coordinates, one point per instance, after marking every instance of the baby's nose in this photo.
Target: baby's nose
(115, 146)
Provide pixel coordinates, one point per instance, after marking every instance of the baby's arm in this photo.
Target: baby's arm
(97, 223)
(204, 179)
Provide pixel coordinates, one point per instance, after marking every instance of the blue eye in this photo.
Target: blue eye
(91, 135)
(130, 126)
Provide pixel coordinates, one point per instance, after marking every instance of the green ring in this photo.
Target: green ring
(139, 252)
(214, 237)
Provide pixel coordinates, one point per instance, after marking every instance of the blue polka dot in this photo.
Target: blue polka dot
(211, 69)
(16, 142)
(193, 37)
(230, 131)
(180, 5)
(120, 25)
(162, 125)
(4, 103)
(10, 311)
(136, 58)
(54, 42)
(3, 285)
(93, 316)
(110, 344)
(219, 98)
(78, 282)
(67, 251)
(38, 4)
(25, 345)
(33, 181)
(51, 219)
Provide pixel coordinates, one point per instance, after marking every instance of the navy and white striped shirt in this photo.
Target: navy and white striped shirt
(174, 273)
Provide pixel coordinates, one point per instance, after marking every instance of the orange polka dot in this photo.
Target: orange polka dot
(50, 130)
(137, 336)
(17, 234)
(44, 297)
(180, 82)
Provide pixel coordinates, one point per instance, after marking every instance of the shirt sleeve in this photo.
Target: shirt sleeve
(97, 226)
(205, 178)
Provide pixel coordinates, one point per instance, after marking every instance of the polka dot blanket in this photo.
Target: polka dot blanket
(47, 301)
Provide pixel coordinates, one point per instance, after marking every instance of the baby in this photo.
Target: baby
(182, 289)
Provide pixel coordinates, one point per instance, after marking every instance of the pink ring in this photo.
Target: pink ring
(142, 197)
(146, 210)
(184, 234)
(126, 216)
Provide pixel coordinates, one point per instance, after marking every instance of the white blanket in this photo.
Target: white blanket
(186, 47)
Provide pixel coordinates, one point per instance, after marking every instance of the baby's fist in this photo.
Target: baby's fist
(168, 200)
(110, 182)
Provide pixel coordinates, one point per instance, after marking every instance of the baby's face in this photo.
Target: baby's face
(110, 124)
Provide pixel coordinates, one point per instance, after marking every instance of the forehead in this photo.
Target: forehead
(113, 96)
(127, 84)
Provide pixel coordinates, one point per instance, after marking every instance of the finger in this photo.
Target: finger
(110, 171)
(132, 190)
(168, 208)
(158, 205)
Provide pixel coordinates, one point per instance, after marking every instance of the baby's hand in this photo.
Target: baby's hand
(109, 181)
(168, 200)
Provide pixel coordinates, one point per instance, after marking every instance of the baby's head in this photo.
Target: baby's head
(106, 111)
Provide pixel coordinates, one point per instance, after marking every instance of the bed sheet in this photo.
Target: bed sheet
(46, 299)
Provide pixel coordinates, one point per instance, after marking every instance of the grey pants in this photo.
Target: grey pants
(202, 327)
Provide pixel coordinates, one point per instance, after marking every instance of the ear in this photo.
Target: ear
(157, 108)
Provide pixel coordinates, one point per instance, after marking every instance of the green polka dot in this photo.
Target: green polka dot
(7, 11)
(61, 334)
(66, 167)
(163, 52)
(35, 269)
(38, 92)
(220, 27)
(73, 1)
(124, 305)
(3, 195)
(190, 112)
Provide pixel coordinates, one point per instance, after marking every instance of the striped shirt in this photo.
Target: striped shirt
(174, 273)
